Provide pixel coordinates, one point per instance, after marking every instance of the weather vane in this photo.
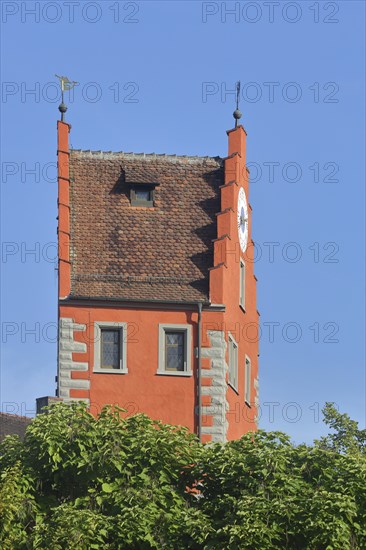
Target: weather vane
(237, 114)
(66, 84)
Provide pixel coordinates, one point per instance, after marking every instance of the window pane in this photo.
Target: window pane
(110, 336)
(233, 364)
(173, 338)
(110, 349)
(142, 194)
(247, 380)
(235, 377)
(242, 284)
(174, 351)
(172, 359)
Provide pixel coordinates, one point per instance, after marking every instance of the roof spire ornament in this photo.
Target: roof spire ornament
(65, 84)
(237, 113)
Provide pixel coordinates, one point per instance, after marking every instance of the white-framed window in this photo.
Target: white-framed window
(233, 363)
(175, 350)
(242, 284)
(110, 347)
(248, 380)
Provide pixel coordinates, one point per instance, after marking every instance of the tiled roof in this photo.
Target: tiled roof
(125, 252)
(12, 424)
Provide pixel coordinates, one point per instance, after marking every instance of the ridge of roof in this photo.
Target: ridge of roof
(147, 156)
(12, 415)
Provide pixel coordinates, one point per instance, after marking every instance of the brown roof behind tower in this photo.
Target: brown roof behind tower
(13, 424)
(135, 253)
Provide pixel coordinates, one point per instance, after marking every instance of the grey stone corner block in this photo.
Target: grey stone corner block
(218, 438)
(65, 322)
(218, 353)
(66, 333)
(65, 356)
(212, 390)
(75, 384)
(214, 410)
(68, 323)
(219, 372)
(219, 363)
(219, 399)
(79, 347)
(219, 382)
(212, 373)
(72, 365)
(210, 430)
(64, 374)
(217, 337)
(78, 327)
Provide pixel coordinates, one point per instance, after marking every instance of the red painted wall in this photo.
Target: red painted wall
(167, 398)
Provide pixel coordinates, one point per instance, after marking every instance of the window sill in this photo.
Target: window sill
(242, 308)
(248, 404)
(180, 373)
(233, 388)
(110, 371)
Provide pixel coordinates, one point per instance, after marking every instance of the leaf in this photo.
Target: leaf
(108, 488)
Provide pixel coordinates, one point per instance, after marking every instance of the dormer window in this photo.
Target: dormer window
(142, 194)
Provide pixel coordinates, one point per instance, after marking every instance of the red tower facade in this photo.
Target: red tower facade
(157, 292)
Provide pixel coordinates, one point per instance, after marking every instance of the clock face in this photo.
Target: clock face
(242, 219)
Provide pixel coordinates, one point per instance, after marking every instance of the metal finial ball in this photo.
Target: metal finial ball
(237, 114)
(62, 108)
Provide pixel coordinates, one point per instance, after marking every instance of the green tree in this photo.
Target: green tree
(81, 482)
(346, 436)
(112, 482)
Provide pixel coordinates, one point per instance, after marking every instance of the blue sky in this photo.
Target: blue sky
(156, 77)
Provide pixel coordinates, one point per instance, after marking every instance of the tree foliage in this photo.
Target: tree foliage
(133, 483)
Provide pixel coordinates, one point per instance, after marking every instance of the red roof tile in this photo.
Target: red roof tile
(124, 252)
